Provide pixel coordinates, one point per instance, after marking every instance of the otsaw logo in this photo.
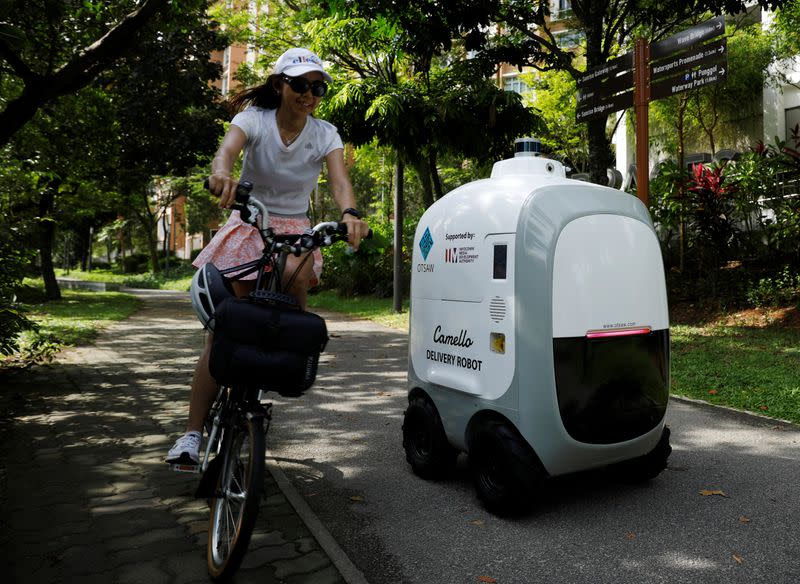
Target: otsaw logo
(426, 243)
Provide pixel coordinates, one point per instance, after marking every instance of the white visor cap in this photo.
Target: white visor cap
(298, 61)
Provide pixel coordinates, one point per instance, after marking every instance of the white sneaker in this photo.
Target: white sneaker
(186, 449)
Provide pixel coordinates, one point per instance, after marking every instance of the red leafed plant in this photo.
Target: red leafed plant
(711, 179)
(793, 154)
(711, 209)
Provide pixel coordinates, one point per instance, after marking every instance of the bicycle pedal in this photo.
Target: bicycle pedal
(187, 468)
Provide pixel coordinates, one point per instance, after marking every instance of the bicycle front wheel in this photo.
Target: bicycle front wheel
(234, 510)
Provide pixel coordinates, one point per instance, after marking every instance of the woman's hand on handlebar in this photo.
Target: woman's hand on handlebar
(224, 186)
(356, 230)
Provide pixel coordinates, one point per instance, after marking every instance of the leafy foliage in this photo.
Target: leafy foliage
(711, 209)
(14, 258)
(554, 100)
(530, 35)
(778, 290)
(370, 271)
(54, 48)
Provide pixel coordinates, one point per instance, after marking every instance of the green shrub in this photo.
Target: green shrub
(150, 281)
(780, 290)
(369, 271)
(14, 258)
(135, 263)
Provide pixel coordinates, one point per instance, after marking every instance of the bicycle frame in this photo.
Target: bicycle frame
(227, 399)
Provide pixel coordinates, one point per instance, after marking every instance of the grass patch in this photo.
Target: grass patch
(747, 368)
(375, 309)
(73, 320)
(752, 368)
(177, 278)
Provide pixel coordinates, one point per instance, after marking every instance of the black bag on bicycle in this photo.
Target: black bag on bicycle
(267, 347)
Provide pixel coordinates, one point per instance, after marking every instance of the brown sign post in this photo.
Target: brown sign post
(680, 63)
(641, 90)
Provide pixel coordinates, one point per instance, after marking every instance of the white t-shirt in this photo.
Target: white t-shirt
(283, 176)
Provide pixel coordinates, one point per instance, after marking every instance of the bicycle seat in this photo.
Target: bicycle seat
(208, 290)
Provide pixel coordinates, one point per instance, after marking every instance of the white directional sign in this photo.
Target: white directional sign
(688, 38)
(694, 79)
(710, 53)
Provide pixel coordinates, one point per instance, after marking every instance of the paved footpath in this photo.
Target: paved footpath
(86, 496)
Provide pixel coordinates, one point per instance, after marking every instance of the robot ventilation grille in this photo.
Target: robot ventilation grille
(497, 309)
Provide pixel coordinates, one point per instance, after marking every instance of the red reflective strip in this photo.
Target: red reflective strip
(618, 333)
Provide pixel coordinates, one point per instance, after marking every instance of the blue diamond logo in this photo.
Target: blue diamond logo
(426, 243)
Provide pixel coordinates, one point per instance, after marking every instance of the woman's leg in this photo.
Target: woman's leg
(203, 391)
(302, 282)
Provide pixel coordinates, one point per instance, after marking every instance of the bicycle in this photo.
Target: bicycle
(247, 362)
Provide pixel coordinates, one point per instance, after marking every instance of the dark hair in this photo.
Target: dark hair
(265, 95)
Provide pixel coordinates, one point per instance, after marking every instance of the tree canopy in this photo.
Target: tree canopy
(524, 33)
(52, 48)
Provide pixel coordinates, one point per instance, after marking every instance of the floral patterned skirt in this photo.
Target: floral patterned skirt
(238, 243)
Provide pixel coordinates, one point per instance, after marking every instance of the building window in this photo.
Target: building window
(515, 84)
(561, 9)
(792, 119)
(226, 67)
(568, 39)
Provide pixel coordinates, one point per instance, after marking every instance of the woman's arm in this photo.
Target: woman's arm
(342, 191)
(221, 183)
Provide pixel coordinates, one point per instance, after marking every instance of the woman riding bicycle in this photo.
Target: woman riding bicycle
(284, 147)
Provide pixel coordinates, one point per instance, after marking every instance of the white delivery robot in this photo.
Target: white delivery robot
(539, 333)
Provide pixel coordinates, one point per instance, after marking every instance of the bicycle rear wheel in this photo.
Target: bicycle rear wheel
(234, 510)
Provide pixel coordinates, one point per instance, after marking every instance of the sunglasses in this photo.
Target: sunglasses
(301, 85)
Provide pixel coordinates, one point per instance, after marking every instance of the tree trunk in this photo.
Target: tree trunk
(422, 168)
(683, 101)
(47, 230)
(398, 236)
(18, 112)
(600, 158)
(150, 227)
(435, 178)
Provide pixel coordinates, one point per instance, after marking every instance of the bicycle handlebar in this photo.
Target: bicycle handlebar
(321, 235)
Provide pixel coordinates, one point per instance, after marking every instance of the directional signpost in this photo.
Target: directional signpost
(606, 89)
(676, 64)
(688, 80)
(688, 38)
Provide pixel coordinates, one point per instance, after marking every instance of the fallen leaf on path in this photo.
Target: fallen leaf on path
(763, 408)
(476, 522)
(744, 519)
(712, 392)
(707, 493)
(487, 579)
(630, 535)
(738, 559)
(358, 498)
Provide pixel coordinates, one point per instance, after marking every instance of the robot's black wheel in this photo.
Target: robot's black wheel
(507, 474)
(649, 466)
(427, 450)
